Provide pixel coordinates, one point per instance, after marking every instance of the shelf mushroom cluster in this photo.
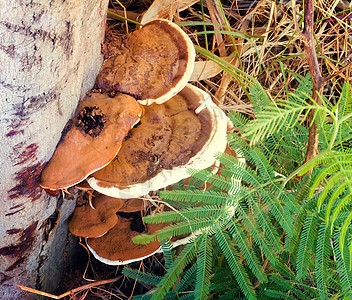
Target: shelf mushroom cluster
(140, 135)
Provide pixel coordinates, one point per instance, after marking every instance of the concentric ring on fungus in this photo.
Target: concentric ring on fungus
(154, 64)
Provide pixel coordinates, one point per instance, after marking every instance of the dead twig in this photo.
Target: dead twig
(71, 292)
(317, 79)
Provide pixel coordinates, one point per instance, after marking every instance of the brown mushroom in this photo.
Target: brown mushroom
(132, 205)
(91, 139)
(184, 132)
(116, 246)
(88, 222)
(154, 64)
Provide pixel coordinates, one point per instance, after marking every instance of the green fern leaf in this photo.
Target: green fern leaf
(322, 266)
(264, 222)
(247, 252)
(306, 245)
(168, 252)
(251, 225)
(187, 279)
(345, 101)
(204, 266)
(221, 182)
(345, 200)
(141, 276)
(346, 225)
(206, 211)
(181, 228)
(187, 254)
(275, 119)
(236, 267)
(196, 196)
(260, 99)
(343, 268)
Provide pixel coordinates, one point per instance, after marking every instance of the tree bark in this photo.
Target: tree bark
(50, 54)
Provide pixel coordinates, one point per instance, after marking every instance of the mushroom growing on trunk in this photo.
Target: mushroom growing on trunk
(154, 64)
(116, 246)
(91, 139)
(184, 132)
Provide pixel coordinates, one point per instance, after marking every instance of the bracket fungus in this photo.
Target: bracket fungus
(154, 64)
(125, 150)
(116, 246)
(184, 132)
(88, 222)
(91, 139)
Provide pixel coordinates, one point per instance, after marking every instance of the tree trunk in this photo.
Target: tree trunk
(50, 54)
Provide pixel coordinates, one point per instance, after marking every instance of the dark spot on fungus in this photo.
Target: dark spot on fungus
(91, 121)
(136, 222)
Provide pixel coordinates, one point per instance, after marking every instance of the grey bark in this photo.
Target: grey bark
(50, 54)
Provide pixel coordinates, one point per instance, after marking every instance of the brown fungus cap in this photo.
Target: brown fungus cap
(88, 222)
(116, 246)
(154, 64)
(170, 138)
(132, 205)
(91, 139)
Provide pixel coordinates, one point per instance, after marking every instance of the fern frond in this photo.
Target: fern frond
(340, 179)
(188, 296)
(306, 245)
(221, 182)
(168, 252)
(346, 225)
(324, 157)
(197, 196)
(206, 211)
(231, 293)
(247, 252)
(292, 288)
(194, 183)
(304, 87)
(343, 269)
(264, 222)
(252, 226)
(345, 100)
(141, 276)
(182, 228)
(277, 294)
(237, 119)
(344, 201)
(232, 257)
(274, 119)
(187, 279)
(332, 168)
(204, 267)
(187, 254)
(266, 171)
(322, 266)
(259, 97)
